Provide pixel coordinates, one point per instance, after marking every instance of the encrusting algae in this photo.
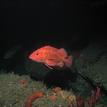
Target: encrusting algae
(73, 101)
(33, 97)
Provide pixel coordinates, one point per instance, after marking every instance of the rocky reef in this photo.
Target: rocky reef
(27, 81)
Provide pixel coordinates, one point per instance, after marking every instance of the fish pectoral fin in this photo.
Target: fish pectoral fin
(54, 63)
(50, 62)
(60, 64)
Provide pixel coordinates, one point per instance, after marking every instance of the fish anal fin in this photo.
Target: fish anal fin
(50, 63)
(48, 66)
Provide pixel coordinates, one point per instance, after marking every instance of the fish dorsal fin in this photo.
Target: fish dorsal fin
(62, 52)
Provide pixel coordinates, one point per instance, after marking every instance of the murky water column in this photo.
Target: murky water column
(52, 16)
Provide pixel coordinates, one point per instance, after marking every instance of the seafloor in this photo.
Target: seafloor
(19, 82)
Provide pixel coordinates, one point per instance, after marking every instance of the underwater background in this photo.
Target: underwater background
(77, 26)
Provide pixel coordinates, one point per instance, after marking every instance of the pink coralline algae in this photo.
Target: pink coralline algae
(92, 100)
(95, 97)
(80, 102)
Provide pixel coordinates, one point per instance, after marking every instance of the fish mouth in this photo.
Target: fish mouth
(34, 58)
(30, 56)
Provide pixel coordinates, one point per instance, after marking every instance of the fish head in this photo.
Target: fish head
(36, 56)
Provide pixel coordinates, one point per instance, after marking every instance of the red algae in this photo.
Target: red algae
(80, 101)
(95, 97)
(33, 97)
(98, 94)
(92, 100)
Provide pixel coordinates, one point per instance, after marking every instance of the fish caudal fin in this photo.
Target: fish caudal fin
(68, 61)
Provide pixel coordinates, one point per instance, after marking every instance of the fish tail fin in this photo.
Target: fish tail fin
(68, 61)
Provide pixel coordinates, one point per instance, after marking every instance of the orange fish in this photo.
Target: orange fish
(52, 57)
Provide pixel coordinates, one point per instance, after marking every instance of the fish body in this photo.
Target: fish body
(52, 57)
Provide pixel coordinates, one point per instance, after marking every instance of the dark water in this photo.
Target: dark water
(32, 24)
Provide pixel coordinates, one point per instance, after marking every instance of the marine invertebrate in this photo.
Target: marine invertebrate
(72, 100)
(53, 97)
(56, 89)
(69, 97)
(33, 97)
(23, 82)
(92, 100)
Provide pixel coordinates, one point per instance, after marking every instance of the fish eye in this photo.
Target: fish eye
(37, 53)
